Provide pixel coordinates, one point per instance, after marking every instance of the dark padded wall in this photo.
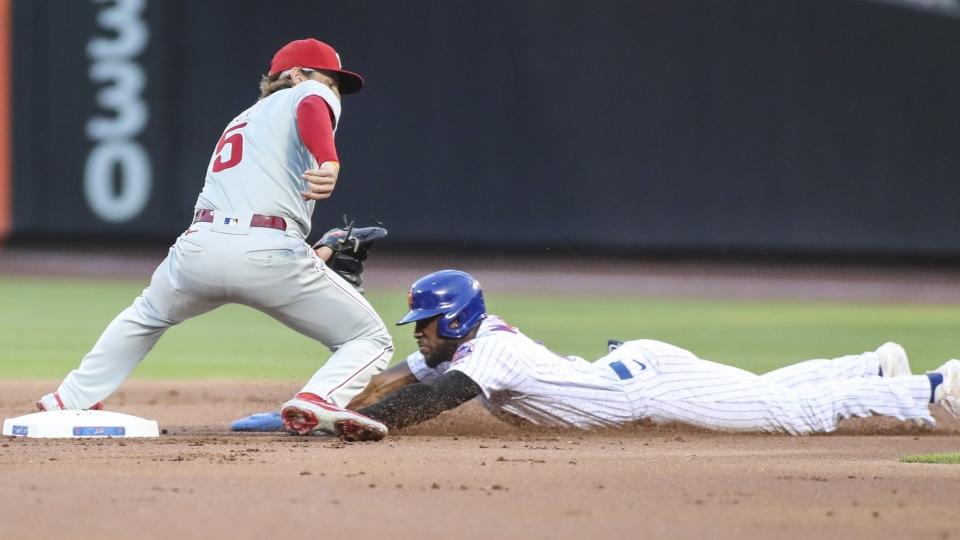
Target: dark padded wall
(821, 126)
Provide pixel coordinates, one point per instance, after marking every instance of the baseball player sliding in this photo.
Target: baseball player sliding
(466, 353)
(246, 245)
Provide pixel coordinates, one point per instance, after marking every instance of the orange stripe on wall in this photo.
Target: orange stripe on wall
(6, 123)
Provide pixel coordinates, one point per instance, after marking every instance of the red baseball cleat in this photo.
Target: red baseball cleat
(52, 402)
(308, 413)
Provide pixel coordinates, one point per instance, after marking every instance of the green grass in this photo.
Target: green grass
(952, 458)
(46, 326)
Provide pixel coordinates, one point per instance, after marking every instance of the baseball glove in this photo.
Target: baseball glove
(350, 247)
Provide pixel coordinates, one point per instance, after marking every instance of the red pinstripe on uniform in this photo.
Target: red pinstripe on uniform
(359, 371)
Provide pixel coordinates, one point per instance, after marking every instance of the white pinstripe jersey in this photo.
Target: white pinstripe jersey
(257, 163)
(522, 377)
(651, 379)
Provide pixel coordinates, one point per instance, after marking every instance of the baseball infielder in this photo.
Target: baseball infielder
(466, 353)
(246, 245)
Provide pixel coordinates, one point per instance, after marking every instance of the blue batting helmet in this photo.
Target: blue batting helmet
(454, 294)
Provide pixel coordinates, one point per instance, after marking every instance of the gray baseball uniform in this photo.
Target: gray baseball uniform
(248, 248)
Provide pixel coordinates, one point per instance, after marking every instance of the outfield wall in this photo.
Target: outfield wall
(817, 126)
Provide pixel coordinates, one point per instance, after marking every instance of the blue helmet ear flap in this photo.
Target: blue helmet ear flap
(458, 323)
(453, 293)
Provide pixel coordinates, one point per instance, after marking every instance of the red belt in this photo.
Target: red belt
(258, 220)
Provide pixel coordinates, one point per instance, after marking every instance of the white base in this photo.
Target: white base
(79, 425)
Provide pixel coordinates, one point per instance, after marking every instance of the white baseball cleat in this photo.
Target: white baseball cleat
(52, 402)
(948, 393)
(307, 413)
(893, 360)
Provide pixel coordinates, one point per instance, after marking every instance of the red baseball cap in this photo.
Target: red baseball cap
(311, 53)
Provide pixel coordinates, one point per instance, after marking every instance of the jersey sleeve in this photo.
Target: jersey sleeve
(418, 366)
(314, 88)
(315, 126)
(492, 363)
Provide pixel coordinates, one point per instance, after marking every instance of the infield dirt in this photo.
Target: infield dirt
(463, 475)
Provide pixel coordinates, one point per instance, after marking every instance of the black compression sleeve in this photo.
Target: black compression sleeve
(422, 401)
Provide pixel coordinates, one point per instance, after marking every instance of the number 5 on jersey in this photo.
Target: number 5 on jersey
(229, 149)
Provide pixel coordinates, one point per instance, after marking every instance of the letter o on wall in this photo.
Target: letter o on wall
(132, 166)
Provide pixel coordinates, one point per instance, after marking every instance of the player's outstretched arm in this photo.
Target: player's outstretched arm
(422, 401)
(382, 385)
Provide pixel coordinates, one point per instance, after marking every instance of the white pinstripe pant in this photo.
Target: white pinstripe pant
(669, 384)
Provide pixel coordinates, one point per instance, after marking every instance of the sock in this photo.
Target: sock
(936, 379)
(309, 396)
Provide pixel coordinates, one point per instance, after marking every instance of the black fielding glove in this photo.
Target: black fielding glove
(350, 247)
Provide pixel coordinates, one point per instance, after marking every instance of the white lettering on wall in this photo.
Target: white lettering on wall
(117, 178)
